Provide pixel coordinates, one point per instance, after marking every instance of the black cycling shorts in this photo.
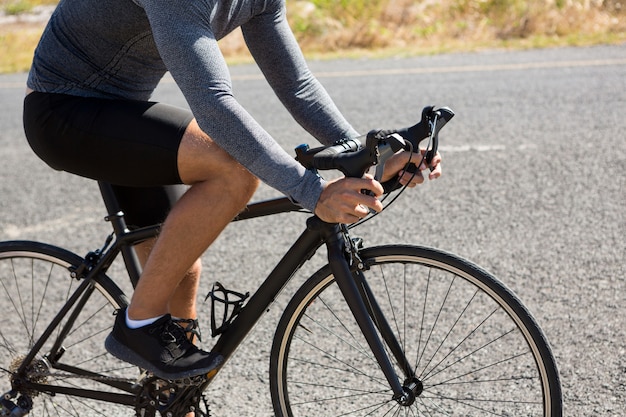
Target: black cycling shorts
(130, 144)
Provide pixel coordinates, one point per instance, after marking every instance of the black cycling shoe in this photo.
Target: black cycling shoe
(191, 328)
(162, 348)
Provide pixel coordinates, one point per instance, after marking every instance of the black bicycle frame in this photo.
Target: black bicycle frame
(350, 280)
(336, 238)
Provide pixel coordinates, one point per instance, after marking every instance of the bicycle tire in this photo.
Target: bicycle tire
(35, 282)
(474, 346)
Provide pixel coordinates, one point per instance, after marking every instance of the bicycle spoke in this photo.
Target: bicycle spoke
(347, 368)
(42, 297)
(477, 370)
(423, 317)
(473, 403)
(434, 325)
(359, 347)
(471, 357)
(354, 393)
(10, 296)
(460, 344)
(438, 349)
(34, 286)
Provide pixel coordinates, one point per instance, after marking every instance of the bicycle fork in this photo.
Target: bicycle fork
(347, 268)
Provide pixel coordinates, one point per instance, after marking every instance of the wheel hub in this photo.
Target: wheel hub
(412, 388)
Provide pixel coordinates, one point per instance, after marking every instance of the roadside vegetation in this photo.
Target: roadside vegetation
(387, 27)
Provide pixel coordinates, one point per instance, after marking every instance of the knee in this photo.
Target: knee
(247, 183)
(239, 186)
(200, 160)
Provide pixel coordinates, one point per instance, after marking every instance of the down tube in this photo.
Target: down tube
(300, 252)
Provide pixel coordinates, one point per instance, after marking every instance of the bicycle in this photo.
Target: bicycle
(382, 330)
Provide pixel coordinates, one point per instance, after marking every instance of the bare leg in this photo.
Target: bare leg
(220, 189)
(183, 301)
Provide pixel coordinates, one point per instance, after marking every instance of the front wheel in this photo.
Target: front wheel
(473, 346)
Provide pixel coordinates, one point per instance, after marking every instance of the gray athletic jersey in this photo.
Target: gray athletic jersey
(122, 48)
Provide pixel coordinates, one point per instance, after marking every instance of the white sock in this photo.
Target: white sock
(135, 324)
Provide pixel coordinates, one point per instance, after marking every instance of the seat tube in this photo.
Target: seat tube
(335, 243)
(116, 217)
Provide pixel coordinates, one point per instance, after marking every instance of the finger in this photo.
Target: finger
(361, 211)
(435, 173)
(344, 202)
(435, 167)
(352, 219)
(399, 162)
(372, 203)
(370, 184)
(367, 196)
(411, 179)
(349, 219)
(436, 159)
(345, 215)
(350, 215)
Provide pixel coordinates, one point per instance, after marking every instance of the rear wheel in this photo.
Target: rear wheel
(71, 373)
(474, 348)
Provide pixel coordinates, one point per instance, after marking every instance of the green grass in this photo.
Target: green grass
(16, 49)
(18, 7)
(427, 24)
(331, 28)
(15, 7)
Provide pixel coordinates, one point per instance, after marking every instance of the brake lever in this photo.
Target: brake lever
(433, 119)
(429, 117)
(433, 140)
(393, 143)
(436, 120)
(383, 148)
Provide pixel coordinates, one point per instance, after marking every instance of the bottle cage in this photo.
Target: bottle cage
(230, 302)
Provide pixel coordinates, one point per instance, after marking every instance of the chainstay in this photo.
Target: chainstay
(143, 378)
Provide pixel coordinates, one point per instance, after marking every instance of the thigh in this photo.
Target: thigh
(201, 159)
(129, 143)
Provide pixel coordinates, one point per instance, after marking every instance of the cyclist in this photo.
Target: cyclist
(88, 112)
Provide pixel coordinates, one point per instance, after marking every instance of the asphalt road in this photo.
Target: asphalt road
(533, 190)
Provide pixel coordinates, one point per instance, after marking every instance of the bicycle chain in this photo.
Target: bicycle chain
(43, 375)
(40, 377)
(38, 372)
(146, 399)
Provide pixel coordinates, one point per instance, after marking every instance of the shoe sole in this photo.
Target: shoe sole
(125, 354)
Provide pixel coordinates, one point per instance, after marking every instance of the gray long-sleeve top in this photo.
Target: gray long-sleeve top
(122, 48)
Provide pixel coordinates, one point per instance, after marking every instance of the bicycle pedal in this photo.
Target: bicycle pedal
(230, 302)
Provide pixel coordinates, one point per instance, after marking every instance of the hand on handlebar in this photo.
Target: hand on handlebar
(343, 200)
(396, 166)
